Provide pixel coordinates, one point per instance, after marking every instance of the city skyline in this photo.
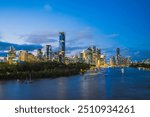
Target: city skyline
(125, 24)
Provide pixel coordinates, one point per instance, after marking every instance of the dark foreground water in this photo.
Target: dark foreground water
(109, 83)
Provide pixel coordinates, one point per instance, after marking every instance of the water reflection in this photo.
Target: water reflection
(107, 83)
(90, 86)
(61, 89)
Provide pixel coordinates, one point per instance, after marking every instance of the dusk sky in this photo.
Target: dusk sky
(108, 24)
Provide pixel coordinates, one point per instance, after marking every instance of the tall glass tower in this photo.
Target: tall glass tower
(62, 47)
(118, 51)
(118, 56)
(48, 52)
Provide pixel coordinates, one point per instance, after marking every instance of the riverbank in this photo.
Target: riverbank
(141, 66)
(109, 84)
(40, 70)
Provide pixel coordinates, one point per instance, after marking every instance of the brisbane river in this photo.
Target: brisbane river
(105, 84)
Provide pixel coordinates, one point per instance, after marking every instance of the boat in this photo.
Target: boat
(139, 68)
(18, 80)
(122, 70)
(28, 81)
(91, 73)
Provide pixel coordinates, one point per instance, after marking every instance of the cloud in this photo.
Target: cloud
(108, 36)
(40, 38)
(47, 7)
(135, 54)
(70, 51)
(76, 48)
(5, 46)
(80, 38)
(141, 54)
(88, 36)
(76, 41)
(85, 34)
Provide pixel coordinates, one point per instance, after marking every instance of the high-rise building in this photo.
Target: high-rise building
(39, 54)
(118, 51)
(48, 52)
(62, 47)
(118, 57)
(93, 49)
(103, 60)
(11, 55)
(89, 56)
(23, 56)
(31, 58)
(81, 57)
(112, 61)
(98, 51)
(118, 60)
(98, 55)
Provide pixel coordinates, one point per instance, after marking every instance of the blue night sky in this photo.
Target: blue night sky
(108, 24)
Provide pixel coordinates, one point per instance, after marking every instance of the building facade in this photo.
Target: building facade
(62, 47)
(11, 55)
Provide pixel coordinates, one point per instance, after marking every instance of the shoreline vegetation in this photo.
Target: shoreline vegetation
(39, 70)
(140, 65)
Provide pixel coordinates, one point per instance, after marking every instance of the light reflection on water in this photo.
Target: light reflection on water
(107, 83)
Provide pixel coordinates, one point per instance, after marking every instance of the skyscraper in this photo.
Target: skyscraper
(23, 56)
(62, 47)
(81, 57)
(39, 54)
(93, 49)
(118, 51)
(118, 57)
(11, 55)
(48, 52)
(98, 51)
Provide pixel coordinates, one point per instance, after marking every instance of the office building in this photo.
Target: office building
(11, 55)
(39, 54)
(48, 53)
(23, 56)
(62, 47)
(118, 60)
(31, 58)
(81, 57)
(118, 57)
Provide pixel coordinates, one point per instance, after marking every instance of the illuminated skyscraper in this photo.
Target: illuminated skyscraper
(62, 47)
(118, 57)
(112, 61)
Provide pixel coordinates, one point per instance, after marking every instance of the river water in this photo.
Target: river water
(106, 84)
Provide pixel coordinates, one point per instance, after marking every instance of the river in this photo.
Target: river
(106, 84)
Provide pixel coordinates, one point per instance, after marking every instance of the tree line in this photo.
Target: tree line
(40, 70)
(140, 65)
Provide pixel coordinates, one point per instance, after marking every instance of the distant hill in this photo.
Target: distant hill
(3, 54)
(6, 45)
